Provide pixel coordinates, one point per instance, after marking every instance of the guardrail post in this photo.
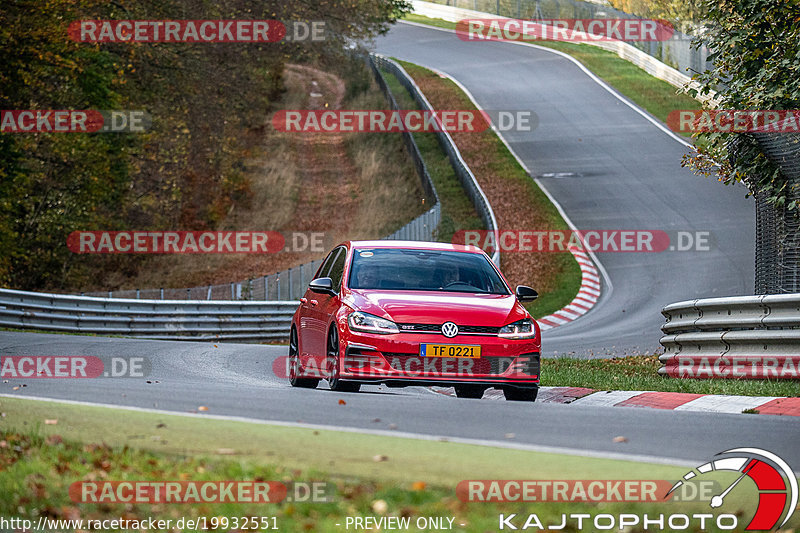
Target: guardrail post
(137, 294)
(278, 280)
(290, 284)
(208, 295)
(233, 295)
(162, 292)
(266, 287)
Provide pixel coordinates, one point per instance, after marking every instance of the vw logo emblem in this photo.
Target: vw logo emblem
(449, 330)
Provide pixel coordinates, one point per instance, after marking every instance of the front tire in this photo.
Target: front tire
(294, 364)
(515, 394)
(335, 383)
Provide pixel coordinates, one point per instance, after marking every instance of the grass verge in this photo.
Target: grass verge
(412, 478)
(655, 96)
(640, 373)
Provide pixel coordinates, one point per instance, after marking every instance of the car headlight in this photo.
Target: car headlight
(359, 321)
(521, 329)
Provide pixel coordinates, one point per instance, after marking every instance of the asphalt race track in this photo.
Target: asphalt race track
(238, 380)
(630, 178)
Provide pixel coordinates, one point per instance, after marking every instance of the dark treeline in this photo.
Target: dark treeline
(205, 100)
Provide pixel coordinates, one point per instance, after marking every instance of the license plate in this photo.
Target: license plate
(450, 350)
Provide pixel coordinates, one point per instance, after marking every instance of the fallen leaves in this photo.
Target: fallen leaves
(418, 485)
(380, 458)
(620, 438)
(50, 421)
(202, 408)
(342, 402)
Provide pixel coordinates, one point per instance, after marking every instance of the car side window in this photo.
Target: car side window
(326, 265)
(337, 269)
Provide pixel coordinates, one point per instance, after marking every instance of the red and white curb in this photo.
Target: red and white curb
(587, 296)
(674, 401)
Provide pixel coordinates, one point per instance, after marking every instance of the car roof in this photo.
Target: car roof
(415, 245)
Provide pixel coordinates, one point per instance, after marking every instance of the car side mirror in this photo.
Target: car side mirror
(324, 285)
(525, 294)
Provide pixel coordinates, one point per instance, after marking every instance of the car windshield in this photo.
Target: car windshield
(424, 270)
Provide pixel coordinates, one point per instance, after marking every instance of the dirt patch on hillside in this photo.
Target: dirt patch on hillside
(347, 186)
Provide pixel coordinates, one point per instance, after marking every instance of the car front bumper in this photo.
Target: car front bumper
(395, 360)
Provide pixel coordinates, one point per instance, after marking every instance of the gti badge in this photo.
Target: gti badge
(449, 330)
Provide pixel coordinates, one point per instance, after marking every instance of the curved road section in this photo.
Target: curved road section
(622, 173)
(630, 178)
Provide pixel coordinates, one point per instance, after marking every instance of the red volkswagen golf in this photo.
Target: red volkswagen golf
(414, 313)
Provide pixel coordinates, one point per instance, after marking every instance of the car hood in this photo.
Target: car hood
(423, 307)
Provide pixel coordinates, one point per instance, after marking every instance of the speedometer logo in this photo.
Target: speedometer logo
(774, 479)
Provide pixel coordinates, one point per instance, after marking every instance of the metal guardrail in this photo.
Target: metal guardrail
(285, 285)
(735, 337)
(464, 174)
(147, 319)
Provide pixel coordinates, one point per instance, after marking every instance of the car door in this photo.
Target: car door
(312, 328)
(329, 303)
(318, 308)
